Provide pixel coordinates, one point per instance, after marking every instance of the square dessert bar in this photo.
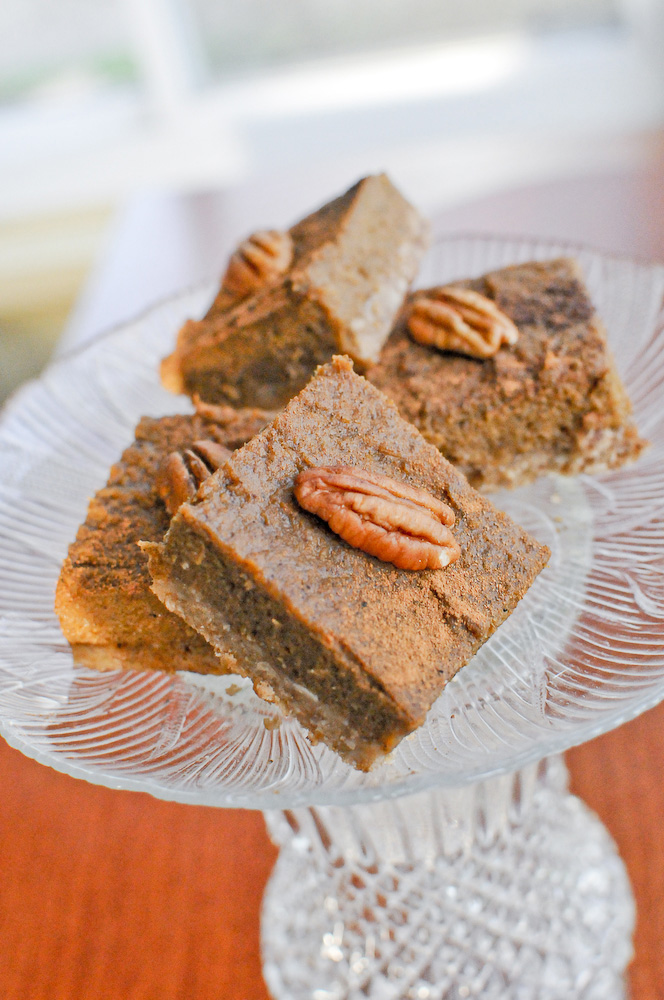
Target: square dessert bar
(333, 283)
(550, 402)
(352, 646)
(106, 608)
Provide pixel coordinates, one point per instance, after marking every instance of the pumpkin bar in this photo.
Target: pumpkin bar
(106, 608)
(356, 648)
(334, 282)
(550, 402)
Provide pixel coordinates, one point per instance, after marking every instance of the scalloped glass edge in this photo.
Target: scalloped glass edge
(624, 505)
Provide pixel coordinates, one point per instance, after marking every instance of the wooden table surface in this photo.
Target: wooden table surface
(110, 895)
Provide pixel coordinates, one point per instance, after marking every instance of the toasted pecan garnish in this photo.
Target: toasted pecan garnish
(258, 261)
(461, 320)
(390, 520)
(182, 472)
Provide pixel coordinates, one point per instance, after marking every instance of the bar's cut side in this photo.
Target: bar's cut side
(355, 648)
(552, 402)
(352, 263)
(107, 610)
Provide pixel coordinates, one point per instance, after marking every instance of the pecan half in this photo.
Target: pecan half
(258, 261)
(393, 521)
(181, 473)
(461, 320)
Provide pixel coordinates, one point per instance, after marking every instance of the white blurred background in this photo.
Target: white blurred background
(105, 105)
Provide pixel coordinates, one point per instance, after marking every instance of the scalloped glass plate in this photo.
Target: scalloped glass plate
(583, 652)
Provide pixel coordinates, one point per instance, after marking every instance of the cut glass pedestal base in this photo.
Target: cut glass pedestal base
(508, 889)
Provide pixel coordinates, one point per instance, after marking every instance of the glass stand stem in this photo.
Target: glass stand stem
(508, 889)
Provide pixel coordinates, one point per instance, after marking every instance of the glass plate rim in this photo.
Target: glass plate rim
(562, 739)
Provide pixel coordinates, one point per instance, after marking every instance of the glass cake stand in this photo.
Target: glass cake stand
(459, 867)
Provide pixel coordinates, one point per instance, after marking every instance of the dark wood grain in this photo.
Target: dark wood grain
(111, 895)
(619, 775)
